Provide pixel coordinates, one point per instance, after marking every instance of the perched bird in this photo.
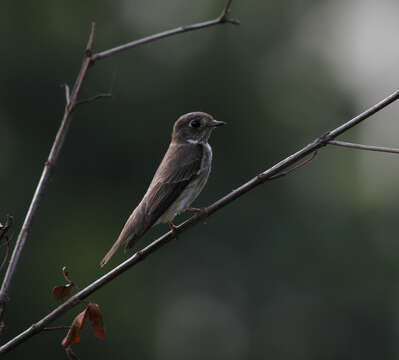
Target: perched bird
(178, 181)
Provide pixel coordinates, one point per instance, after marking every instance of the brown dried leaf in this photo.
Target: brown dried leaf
(74, 334)
(61, 292)
(96, 320)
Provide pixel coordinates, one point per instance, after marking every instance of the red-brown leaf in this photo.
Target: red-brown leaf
(96, 320)
(74, 333)
(61, 292)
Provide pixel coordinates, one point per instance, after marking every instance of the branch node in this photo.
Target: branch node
(323, 139)
(261, 177)
(223, 18)
(48, 163)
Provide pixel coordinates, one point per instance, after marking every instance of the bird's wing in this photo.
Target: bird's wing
(177, 169)
(180, 164)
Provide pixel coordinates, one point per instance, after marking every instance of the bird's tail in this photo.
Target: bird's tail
(135, 227)
(112, 251)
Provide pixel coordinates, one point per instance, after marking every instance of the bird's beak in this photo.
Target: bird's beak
(216, 123)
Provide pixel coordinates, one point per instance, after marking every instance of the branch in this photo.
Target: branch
(43, 182)
(222, 19)
(93, 98)
(71, 103)
(194, 220)
(364, 147)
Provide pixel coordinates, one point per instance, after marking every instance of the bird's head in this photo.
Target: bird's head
(194, 127)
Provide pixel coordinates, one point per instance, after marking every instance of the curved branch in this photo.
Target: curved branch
(199, 217)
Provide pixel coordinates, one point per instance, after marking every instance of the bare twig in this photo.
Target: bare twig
(219, 204)
(71, 103)
(3, 235)
(67, 94)
(364, 147)
(70, 354)
(65, 273)
(6, 254)
(93, 98)
(297, 166)
(222, 19)
(52, 328)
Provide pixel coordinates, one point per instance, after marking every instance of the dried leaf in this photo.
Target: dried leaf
(62, 291)
(96, 320)
(74, 334)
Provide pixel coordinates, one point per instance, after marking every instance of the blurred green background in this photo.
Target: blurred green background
(305, 267)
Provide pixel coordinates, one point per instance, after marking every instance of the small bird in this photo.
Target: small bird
(180, 178)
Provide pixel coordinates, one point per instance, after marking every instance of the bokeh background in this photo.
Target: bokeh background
(306, 267)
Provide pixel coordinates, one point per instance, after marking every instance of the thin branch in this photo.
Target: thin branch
(88, 59)
(222, 19)
(67, 94)
(70, 354)
(52, 328)
(364, 147)
(43, 182)
(3, 231)
(93, 98)
(6, 254)
(196, 219)
(297, 166)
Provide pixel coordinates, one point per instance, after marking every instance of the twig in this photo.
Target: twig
(222, 19)
(5, 255)
(70, 354)
(67, 94)
(88, 59)
(93, 98)
(297, 166)
(51, 328)
(65, 273)
(219, 204)
(3, 230)
(364, 147)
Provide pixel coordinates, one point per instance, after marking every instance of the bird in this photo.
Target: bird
(179, 179)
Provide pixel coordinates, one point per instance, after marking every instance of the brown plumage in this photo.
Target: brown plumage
(179, 179)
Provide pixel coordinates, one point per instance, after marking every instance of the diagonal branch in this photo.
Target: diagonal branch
(71, 103)
(43, 182)
(194, 220)
(364, 147)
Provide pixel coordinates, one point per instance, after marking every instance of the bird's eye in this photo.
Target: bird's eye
(196, 123)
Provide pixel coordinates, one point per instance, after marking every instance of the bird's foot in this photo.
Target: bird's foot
(173, 228)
